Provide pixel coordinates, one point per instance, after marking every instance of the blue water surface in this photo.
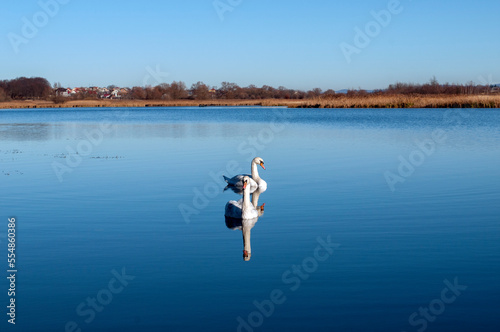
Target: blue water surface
(375, 220)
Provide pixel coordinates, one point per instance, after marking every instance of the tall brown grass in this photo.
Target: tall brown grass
(405, 101)
(125, 103)
(337, 101)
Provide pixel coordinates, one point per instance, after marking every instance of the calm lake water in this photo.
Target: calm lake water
(375, 220)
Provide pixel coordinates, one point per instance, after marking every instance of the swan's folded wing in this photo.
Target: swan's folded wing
(234, 209)
(237, 180)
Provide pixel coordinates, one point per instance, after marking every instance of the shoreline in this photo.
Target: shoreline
(338, 101)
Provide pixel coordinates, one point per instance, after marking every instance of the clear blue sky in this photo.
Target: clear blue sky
(290, 43)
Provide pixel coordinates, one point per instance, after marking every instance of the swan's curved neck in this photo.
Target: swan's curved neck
(246, 199)
(255, 198)
(255, 172)
(246, 239)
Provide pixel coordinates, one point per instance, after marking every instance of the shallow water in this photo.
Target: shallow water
(407, 202)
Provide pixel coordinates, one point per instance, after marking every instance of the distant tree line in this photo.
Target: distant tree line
(434, 88)
(23, 88)
(201, 91)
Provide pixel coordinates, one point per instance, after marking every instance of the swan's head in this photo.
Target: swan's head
(246, 182)
(259, 161)
(246, 255)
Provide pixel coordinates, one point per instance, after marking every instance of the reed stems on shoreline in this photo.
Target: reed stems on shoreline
(337, 101)
(404, 101)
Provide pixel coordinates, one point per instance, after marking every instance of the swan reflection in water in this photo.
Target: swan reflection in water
(243, 215)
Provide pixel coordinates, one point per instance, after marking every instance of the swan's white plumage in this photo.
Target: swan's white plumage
(255, 180)
(242, 209)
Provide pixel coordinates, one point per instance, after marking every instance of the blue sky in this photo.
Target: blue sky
(296, 44)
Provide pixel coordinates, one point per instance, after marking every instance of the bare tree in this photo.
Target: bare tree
(178, 90)
(228, 90)
(138, 93)
(27, 88)
(200, 91)
(314, 93)
(3, 95)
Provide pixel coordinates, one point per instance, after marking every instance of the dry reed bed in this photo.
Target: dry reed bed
(404, 101)
(343, 101)
(126, 103)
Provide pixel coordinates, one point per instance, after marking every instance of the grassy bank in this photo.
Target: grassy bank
(338, 101)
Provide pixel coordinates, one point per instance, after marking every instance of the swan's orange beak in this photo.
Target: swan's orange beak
(244, 185)
(262, 164)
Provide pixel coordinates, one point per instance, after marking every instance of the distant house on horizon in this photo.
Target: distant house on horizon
(63, 92)
(115, 94)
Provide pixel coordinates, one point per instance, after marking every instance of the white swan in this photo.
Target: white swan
(255, 201)
(242, 209)
(245, 226)
(255, 180)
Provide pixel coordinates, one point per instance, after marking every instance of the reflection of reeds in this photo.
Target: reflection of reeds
(337, 101)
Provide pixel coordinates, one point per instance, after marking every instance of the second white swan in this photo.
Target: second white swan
(255, 181)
